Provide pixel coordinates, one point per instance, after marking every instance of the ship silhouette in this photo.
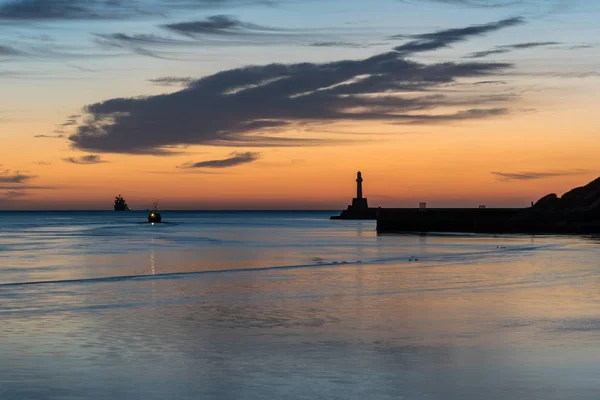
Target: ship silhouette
(121, 204)
(154, 215)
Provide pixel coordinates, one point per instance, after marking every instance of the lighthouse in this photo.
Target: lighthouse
(359, 208)
(359, 202)
(359, 181)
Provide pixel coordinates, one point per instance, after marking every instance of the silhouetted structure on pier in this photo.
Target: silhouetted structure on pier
(360, 206)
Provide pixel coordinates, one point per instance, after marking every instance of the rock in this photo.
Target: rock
(582, 198)
(549, 202)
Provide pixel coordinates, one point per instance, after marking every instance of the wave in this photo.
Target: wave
(443, 257)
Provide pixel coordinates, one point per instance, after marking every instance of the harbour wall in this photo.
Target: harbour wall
(463, 220)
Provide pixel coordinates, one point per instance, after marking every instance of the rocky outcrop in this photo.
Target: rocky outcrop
(577, 211)
(550, 202)
(582, 198)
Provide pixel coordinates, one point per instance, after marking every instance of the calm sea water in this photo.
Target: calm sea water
(276, 305)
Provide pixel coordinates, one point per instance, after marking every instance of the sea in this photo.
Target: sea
(290, 305)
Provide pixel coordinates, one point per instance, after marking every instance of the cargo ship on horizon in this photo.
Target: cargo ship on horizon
(120, 204)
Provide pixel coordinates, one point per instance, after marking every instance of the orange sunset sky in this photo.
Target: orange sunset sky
(449, 102)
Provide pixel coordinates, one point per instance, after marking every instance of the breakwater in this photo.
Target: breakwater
(472, 220)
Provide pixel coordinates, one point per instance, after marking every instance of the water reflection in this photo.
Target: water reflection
(478, 317)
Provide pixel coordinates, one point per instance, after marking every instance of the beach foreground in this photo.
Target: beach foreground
(286, 305)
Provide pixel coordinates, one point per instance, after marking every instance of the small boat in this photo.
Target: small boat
(154, 215)
(120, 204)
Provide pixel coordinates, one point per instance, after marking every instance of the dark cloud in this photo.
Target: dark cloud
(9, 51)
(172, 81)
(233, 160)
(119, 39)
(26, 187)
(61, 9)
(216, 25)
(335, 44)
(85, 160)
(60, 136)
(528, 45)
(490, 83)
(527, 176)
(485, 53)
(253, 106)
(510, 47)
(581, 46)
(72, 120)
(444, 38)
(15, 177)
(35, 10)
(476, 113)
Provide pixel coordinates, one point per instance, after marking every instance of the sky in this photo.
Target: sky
(276, 104)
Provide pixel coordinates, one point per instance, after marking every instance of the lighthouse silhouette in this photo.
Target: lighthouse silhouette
(359, 202)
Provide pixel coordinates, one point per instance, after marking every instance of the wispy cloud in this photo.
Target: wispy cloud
(71, 120)
(59, 136)
(139, 43)
(8, 176)
(475, 113)
(233, 160)
(336, 44)
(9, 51)
(444, 38)
(533, 175)
(12, 194)
(63, 9)
(172, 81)
(218, 25)
(85, 160)
(48, 10)
(508, 48)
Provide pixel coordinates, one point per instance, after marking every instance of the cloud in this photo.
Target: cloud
(481, 54)
(216, 30)
(336, 44)
(43, 10)
(42, 163)
(508, 48)
(25, 187)
(61, 9)
(475, 113)
(233, 160)
(444, 38)
(255, 106)
(9, 51)
(120, 39)
(72, 120)
(60, 136)
(552, 5)
(13, 194)
(493, 82)
(8, 176)
(528, 176)
(172, 81)
(217, 25)
(85, 160)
